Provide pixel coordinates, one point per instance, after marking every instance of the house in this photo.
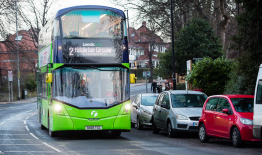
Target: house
(8, 56)
(143, 43)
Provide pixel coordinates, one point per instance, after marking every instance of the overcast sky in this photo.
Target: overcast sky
(70, 3)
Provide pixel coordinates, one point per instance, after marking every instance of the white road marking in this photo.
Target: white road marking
(15, 139)
(52, 147)
(10, 118)
(25, 151)
(20, 144)
(2, 123)
(24, 121)
(29, 110)
(19, 114)
(26, 118)
(26, 128)
(33, 136)
(13, 134)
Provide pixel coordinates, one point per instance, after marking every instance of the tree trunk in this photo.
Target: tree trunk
(150, 66)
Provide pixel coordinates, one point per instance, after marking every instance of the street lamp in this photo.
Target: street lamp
(17, 39)
(173, 48)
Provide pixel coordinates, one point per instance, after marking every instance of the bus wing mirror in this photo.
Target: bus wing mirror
(48, 78)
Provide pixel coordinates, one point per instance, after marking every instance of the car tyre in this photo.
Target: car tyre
(138, 125)
(155, 129)
(236, 138)
(170, 132)
(202, 134)
(116, 133)
(133, 125)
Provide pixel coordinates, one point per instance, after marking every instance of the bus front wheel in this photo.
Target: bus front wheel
(116, 133)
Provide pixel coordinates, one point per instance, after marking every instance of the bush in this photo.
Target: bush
(211, 75)
(30, 82)
(181, 86)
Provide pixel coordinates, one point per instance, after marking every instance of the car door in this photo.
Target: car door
(209, 114)
(221, 120)
(165, 107)
(157, 110)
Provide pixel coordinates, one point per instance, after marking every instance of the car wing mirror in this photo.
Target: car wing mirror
(134, 105)
(225, 111)
(163, 106)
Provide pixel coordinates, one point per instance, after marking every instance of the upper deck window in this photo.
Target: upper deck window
(91, 24)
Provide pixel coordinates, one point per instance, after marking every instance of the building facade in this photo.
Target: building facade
(143, 44)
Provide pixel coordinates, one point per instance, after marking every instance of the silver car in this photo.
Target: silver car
(142, 108)
(177, 110)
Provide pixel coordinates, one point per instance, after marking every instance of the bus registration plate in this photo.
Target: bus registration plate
(93, 127)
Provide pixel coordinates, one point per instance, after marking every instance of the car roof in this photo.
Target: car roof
(234, 96)
(185, 92)
(149, 94)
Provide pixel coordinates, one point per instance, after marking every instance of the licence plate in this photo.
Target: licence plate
(93, 127)
(195, 123)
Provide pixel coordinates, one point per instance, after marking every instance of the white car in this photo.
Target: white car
(257, 118)
(142, 109)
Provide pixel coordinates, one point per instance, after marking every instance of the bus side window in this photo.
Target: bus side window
(259, 92)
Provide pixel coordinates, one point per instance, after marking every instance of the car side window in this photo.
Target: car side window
(259, 92)
(212, 104)
(166, 101)
(223, 104)
(138, 100)
(160, 99)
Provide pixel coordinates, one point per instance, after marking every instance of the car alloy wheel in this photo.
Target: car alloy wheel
(171, 134)
(236, 138)
(202, 134)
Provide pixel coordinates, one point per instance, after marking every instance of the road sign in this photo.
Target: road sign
(10, 75)
(146, 73)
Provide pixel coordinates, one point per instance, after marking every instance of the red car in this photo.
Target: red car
(227, 116)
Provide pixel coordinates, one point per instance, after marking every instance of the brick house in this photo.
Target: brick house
(142, 41)
(8, 56)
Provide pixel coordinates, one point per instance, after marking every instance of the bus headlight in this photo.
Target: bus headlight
(127, 107)
(58, 108)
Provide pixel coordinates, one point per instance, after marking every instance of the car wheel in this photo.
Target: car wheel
(138, 125)
(236, 138)
(116, 133)
(171, 133)
(202, 134)
(155, 129)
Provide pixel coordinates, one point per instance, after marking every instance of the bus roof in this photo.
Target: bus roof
(65, 10)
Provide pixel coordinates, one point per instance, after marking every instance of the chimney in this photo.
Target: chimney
(144, 23)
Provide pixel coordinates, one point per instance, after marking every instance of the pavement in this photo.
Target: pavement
(137, 84)
(28, 100)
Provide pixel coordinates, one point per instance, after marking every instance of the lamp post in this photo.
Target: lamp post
(18, 72)
(173, 48)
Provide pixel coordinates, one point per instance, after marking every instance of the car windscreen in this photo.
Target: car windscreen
(243, 104)
(148, 100)
(188, 100)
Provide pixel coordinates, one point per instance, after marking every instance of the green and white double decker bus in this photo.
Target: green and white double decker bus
(83, 71)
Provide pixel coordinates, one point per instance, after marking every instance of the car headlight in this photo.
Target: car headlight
(146, 112)
(58, 108)
(246, 121)
(127, 107)
(181, 117)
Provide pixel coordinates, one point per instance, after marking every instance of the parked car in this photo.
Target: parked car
(142, 108)
(257, 118)
(177, 110)
(227, 116)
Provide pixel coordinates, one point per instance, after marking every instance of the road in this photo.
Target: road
(20, 134)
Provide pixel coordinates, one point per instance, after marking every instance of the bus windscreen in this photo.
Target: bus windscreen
(89, 88)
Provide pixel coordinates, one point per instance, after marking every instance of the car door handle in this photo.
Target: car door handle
(215, 116)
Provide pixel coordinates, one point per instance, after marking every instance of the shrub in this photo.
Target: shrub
(210, 75)
(30, 82)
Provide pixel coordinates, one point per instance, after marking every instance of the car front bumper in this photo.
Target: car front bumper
(246, 132)
(186, 125)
